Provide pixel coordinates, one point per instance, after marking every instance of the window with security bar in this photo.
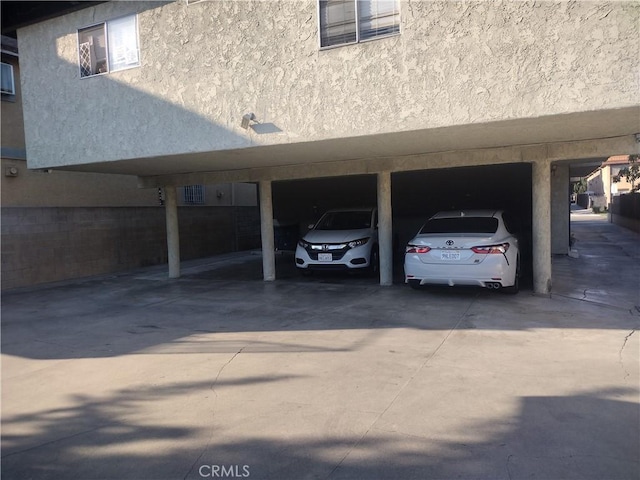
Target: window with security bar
(109, 46)
(193, 195)
(7, 79)
(344, 22)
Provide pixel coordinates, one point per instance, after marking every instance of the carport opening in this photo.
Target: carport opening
(299, 203)
(417, 195)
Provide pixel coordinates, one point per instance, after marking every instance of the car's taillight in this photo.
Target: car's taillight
(486, 249)
(417, 249)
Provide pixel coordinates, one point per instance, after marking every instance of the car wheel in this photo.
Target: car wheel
(305, 272)
(515, 288)
(374, 262)
(415, 284)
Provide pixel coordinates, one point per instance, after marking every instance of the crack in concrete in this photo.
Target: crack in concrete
(213, 409)
(212, 387)
(402, 388)
(56, 440)
(624, 344)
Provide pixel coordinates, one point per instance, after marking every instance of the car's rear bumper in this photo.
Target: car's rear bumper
(487, 273)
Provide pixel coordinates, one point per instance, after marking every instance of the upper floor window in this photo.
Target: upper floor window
(109, 46)
(351, 21)
(6, 78)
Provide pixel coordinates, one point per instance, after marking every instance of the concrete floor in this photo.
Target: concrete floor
(220, 375)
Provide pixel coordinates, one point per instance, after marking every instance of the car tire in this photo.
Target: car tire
(374, 262)
(515, 288)
(415, 284)
(305, 272)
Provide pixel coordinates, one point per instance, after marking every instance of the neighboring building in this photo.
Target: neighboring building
(601, 185)
(58, 225)
(200, 93)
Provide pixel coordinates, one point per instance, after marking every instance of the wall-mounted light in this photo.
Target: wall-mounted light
(637, 135)
(247, 118)
(11, 172)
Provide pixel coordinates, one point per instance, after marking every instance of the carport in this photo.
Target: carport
(415, 196)
(541, 149)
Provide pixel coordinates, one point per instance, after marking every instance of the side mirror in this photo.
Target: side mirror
(310, 226)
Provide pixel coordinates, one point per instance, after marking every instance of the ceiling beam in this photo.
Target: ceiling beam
(553, 152)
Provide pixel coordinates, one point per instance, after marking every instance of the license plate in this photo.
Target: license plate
(325, 257)
(449, 255)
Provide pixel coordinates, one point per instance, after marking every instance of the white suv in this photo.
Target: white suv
(345, 239)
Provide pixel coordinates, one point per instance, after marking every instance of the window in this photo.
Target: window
(193, 195)
(351, 21)
(461, 225)
(109, 46)
(344, 221)
(6, 78)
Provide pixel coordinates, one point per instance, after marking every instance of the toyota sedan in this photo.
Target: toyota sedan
(471, 247)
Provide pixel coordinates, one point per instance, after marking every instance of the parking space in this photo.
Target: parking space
(416, 195)
(135, 376)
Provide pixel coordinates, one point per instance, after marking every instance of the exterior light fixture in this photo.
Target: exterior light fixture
(247, 118)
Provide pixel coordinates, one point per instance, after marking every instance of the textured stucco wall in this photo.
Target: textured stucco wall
(205, 65)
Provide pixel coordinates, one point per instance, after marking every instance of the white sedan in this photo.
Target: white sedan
(470, 247)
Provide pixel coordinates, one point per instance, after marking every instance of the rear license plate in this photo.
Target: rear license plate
(449, 255)
(325, 257)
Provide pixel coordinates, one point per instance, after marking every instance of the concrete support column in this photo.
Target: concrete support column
(541, 206)
(266, 231)
(173, 234)
(385, 235)
(560, 209)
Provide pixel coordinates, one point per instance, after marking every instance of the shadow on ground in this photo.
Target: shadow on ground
(586, 436)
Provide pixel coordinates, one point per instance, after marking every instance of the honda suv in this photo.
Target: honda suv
(345, 239)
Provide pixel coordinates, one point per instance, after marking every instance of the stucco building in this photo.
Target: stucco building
(379, 97)
(59, 225)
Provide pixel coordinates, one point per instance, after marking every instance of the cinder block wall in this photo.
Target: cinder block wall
(43, 244)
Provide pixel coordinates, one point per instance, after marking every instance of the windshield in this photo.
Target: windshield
(344, 221)
(461, 225)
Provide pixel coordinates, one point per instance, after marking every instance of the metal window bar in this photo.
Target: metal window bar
(85, 59)
(193, 195)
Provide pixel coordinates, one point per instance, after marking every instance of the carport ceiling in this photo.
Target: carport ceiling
(559, 128)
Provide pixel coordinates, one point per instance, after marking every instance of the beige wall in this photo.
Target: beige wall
(44, 244)
(32, 188)
(227, 194)
(35, 188)
(29, 188)
(601, 183)
(206, 64)
(12, 132)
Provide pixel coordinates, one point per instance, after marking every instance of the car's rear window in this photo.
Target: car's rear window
(461, 225)
(344, 221)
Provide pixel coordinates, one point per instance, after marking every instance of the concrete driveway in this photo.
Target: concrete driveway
(134, 376)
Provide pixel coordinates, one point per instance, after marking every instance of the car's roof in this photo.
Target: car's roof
(466, 213)
(356, 209)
